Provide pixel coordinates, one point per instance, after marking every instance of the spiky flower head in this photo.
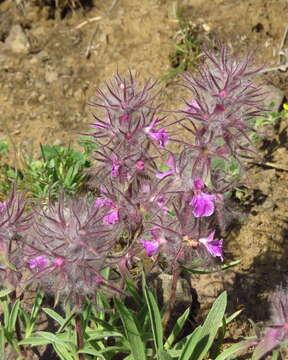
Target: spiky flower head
(70, 244)
(224, 100)
(126, 127)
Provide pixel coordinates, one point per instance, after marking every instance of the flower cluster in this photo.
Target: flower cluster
(224, 100)
(70, 244)
(173, 211)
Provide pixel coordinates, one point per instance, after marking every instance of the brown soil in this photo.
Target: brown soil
(44, 93)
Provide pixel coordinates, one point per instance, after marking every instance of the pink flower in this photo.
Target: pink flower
(111, 218)
(214, 247)
(58, 262)
(140, 165)
(123, 118)
(151, 247)
(202, 203)
(103, 202)
(158, 135)
(3, 206)
(38, 263)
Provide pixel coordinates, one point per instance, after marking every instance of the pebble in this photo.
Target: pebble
(17, 40)
(42, 98)
(42, 56)
(51, 76)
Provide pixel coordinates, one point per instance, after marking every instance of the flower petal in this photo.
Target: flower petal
(203, 204)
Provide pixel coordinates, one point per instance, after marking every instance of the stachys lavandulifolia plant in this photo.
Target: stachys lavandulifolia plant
(14, 221)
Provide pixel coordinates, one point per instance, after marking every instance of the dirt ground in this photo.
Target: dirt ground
(47, 78)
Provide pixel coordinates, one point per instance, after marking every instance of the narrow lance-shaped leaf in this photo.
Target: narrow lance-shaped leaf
(131, 331)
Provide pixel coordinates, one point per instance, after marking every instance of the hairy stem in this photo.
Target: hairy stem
(168, 312)
(79, 330)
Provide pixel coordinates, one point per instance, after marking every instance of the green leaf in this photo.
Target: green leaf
(190, 344)
(51, 337)
(177, 329)
(210, 328)
(91, 351)
(13, 316)
(275, 355)
(62, 352)
(66, 322)
(204, 271)
(232, 350)
(155, 317)
(233, 316)
(5, 292)
(35, 341)
(131, 331)
(164, 355)
(58, 318)
(102, 334)
(2, 343)
(34, 313)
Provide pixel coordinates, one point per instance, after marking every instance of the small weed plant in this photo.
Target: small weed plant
(154, 211)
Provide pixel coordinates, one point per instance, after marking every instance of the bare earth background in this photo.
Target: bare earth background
(49, 67)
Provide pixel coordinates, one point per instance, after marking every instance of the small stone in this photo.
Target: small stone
(51, 76)
(42, 98)
(58, 142)
(42, 56)
(206, 27)
(268, 204)
(78, 94)
(17, 41)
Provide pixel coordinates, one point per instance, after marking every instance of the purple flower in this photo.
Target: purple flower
(111, 218)
(103, 202)
(58, 262)
(140, 165)
(3, 206)
(151, 247)
(38, 262)
(171, 168)
(214, 247)
(123, 118)
(158, 135)
(202, 203)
